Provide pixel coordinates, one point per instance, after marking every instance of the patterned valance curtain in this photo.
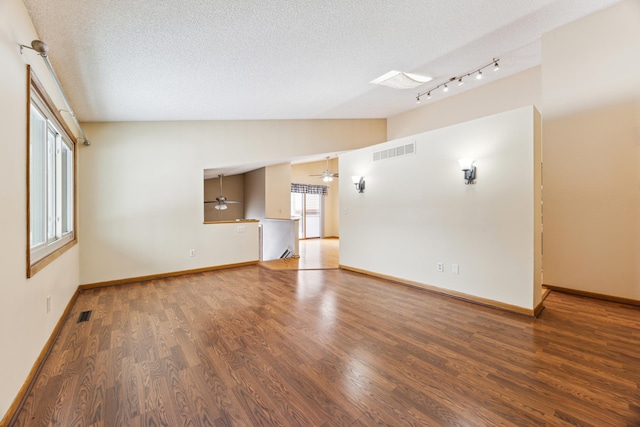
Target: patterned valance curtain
(310, 189)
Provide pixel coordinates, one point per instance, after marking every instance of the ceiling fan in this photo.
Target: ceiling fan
(327, 175)
(221, 201)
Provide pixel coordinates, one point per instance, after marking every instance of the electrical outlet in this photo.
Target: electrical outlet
(455, 269)
(48, 303)
(440, 267)
(192, 252)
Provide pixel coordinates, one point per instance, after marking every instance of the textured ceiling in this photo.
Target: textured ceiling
(288, 59)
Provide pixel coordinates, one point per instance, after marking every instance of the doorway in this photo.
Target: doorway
(310, 209)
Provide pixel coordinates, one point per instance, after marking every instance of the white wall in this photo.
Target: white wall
(416, 210)
(24, 324)
(142, 192)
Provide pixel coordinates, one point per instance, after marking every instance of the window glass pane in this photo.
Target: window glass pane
(297, 206)
(37, 179)
(51, 184)
(67, 188)
(312, 215)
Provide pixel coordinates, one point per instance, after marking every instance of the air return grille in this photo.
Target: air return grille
(84, 316)
(401, 150)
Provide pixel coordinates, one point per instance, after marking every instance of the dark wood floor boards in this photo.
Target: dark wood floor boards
(253, 346)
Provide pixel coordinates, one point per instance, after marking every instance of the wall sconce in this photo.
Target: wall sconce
(359, 182)
(469, 170)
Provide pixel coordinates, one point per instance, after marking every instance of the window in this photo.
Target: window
(51, 177)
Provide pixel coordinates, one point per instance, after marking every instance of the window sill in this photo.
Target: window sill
(42, 263)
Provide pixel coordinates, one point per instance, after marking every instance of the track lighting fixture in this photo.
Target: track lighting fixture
(42, 49)
(38, 46)
(445, 85)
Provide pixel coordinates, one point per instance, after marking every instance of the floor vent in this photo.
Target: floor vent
(84, 316)
(401, 150)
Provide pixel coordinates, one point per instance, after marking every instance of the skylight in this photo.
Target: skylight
(400, 80)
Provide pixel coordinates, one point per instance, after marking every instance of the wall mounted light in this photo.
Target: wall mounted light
(469, 170)
(359, 182)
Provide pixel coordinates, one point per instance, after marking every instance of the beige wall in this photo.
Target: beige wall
(506, 94)
(300, 173)
(232, 189)
(142, 192)
(537, 209)
(591, 95)
(255, 193)
(26, 325)
(416, 210)
(271, 186)
(278, 191)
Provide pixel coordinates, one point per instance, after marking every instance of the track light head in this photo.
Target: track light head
(446, 88)
(460, 82)
(479, 76)
(428, 95)
(40, 47)
(496, 66)
(417, 100)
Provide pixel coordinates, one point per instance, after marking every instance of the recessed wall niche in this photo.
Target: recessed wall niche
(232, 190)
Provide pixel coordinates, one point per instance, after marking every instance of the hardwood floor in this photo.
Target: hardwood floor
(257, 347)
(314, 254)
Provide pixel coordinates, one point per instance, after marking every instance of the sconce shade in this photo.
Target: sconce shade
(466, 163)
(469, 170)
(359, 182)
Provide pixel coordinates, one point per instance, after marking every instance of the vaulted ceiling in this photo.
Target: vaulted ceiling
(281, 59)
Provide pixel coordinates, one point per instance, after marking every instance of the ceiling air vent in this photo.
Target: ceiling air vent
(401, 150)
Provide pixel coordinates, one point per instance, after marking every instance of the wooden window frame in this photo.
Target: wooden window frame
(35, 88)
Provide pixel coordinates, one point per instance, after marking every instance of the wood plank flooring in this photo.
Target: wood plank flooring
(314, 254)
(256, 347)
